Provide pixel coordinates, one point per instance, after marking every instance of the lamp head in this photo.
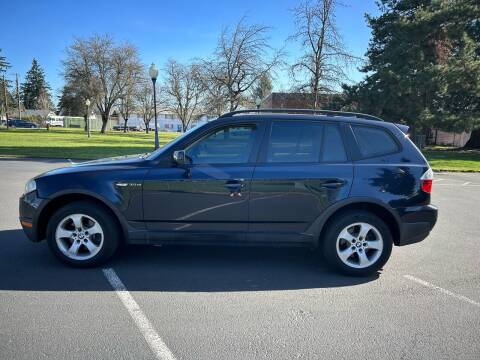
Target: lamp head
(153, 72)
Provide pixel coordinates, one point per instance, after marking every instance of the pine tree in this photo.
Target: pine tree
(35, 87)
(423, 65)
(71, 101)
(4, 65)
(263, 87)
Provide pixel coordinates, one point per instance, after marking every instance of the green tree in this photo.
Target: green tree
(35, 88)
(263, 88)
(423, 65)
(71, 101)
(4, 66)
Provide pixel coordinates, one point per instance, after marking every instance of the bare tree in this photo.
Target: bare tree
(183, 91)
(325, 60)
(103, 69)
(144, 101)
(43, 102)
(242, 56)
(127, 105)
(215, 101)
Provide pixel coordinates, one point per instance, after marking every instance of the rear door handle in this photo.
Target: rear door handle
(334, 184)
(235, 186)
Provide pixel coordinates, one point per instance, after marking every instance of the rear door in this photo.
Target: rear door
(303, 168)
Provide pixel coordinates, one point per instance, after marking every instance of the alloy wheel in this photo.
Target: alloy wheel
(79, 236)
(359, 245)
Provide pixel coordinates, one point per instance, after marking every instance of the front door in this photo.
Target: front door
(206, 199)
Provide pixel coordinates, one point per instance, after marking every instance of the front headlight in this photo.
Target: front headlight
(30, 186)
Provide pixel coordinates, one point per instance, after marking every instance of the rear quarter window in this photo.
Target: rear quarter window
(374, 141)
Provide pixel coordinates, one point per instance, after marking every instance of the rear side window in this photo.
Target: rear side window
(374, 141)
(298, 142)
(304, 142)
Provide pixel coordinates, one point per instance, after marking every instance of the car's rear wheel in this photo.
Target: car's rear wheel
(357, 243)
(83, 234)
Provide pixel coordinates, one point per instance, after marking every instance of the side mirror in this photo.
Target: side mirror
(179, 156)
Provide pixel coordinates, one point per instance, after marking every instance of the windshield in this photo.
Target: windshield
(172, 143)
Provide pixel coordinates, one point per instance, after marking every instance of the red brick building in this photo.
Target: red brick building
(279, 100)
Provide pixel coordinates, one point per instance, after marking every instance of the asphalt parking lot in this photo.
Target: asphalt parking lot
(230, 303)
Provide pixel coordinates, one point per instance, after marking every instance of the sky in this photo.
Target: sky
(179, 29)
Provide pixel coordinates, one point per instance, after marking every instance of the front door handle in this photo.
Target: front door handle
(188, 172)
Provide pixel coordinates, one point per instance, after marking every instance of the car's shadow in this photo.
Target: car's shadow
(28, 266)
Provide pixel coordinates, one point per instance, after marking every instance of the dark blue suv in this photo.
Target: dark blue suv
(347, 183)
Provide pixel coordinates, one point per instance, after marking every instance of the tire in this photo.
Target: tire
(347, 251)
(94, 244)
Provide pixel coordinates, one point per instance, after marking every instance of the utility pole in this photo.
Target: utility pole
(18, 100)
(6, 100)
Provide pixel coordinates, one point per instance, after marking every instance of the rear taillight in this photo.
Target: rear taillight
(426, 181)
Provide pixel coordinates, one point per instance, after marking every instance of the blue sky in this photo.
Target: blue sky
(181, 29)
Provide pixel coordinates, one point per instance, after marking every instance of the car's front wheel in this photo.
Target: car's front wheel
(357, 243)
(82, 234)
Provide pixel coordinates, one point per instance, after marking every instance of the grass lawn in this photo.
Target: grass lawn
(74, 144)
(449, 159)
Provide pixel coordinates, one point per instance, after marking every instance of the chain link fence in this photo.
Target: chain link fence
(419, 140)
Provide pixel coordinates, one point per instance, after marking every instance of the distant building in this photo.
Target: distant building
(439, 137)
(29, 113)
(166, 121)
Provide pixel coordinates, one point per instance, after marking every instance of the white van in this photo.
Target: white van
(55, 121)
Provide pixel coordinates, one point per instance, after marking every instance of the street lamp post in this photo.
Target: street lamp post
(153, 71)
(258, 102)
(87, 103)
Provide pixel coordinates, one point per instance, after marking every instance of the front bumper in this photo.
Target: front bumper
(416, 223)
(28, 206)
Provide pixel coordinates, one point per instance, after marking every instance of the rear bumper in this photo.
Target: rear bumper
(416, 224)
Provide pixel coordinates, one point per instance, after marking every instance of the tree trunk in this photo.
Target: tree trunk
(125, 126)
(146, 128)
(104, 123)
(86, 120)
(474, 141)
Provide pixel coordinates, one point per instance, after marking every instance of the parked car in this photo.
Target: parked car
(347, 183)
(21, 124)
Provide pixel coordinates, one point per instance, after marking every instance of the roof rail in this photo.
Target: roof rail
(302, 111)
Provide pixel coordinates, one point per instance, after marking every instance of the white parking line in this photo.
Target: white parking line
(442, 290)
(466, 184)
(161, 351)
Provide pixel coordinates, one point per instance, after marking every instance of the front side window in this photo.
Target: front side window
(374, 141)
(230, 145)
